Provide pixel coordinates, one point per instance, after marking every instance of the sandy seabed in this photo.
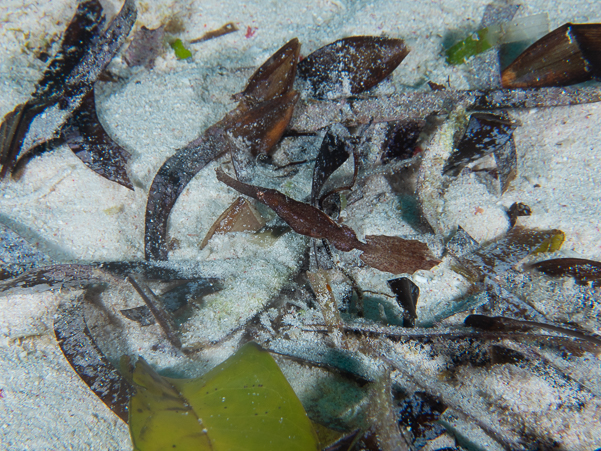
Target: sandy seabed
(77, 216)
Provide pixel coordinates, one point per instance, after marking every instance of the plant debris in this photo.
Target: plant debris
(566, 56)
(359, 63)
(80, 349)
(70, 76)
(228, 28)
(582, 270)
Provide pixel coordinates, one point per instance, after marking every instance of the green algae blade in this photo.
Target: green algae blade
(245, 403)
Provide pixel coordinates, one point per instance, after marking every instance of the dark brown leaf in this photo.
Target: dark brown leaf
(334, 151)
(89, 141)
(516, 210)
(407, 294)
(569, 54)
(85, 26)
(581, 269)
(351, 65)
(81, 351)
(401, 139)
(274, 78)
(69, 77)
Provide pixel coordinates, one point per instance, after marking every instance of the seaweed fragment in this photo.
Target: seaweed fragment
(82, 353)
(485, 134)
(407, 294)
(17, 255)
(582, 270)
(568, 55)
(162, 317)
(351, 65)
(313, 115)
(501, 255)
(69, 77)
(181, 52)
(228, 28)
(500, 33)
(504, 324)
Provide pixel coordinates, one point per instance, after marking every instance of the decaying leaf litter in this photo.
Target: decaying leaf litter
(561, 314)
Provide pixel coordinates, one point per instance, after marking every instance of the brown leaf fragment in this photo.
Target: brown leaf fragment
(260, 128)
(569, 54)
(334, 151)
(582, 270)
(351, 65)
(238, 217)
(325, 299)
(89, 141)
(228, 28)
(84, 55)
(397, 255)
(274, 78)
(145, 47)
(504, 324)
(302, 218)
(407, 294)
(81, 351)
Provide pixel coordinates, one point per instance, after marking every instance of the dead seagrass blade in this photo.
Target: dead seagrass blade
(351, 65)
(85, 53)
(81, 351)
(244, 403)
(569, 54)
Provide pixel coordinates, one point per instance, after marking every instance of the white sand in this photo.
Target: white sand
(80, 216)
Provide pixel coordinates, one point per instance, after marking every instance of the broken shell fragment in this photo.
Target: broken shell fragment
(569, 54)
(351, 65)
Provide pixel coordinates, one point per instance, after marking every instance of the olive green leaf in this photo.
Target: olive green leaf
(245, 403)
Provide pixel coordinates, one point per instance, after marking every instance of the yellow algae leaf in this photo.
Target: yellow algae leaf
(245, 403)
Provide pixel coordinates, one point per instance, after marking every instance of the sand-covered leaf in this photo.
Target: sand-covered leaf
(245, 404)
